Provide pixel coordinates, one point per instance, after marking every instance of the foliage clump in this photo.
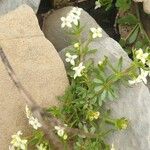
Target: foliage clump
(82, 109)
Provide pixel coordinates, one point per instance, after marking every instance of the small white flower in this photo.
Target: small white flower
(112, 147)
(61, 132)
(32, 121)
(28, 112)
(148, 63)
(135, 81)
(41, 147)
(65, 136)
(141, 56)
(78, 70)
(76, 45)
(97, 4)
(142, 77)
(74, 18)
(71, 58)
(17, 142)
(11, 148)
(96, 32)
(100, 63)
(76, 11)
(66, 22)
(35, 123)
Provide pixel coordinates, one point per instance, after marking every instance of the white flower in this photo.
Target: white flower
(61, 132)
(32, 121)
(135, 81)
(96, 32)
(74, 18)
(78, 70)
(148, 63)
(66, 22)
(97, 4)
(76, 11)
(76, 45)
(100, 63)
(142, 77)
(11, 148)
(112, 147)
(35, 123)
(71, 58)
(41, 147)
(28, 112)
(17, 142)
(141, 56)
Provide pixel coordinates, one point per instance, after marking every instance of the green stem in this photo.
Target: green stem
(121, 74)
(107, 132)
(140, 23)
(110, 121)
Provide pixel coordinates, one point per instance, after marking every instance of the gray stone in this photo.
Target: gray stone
(8, 5)
(148, 83)
(133, 102)
(54, 33)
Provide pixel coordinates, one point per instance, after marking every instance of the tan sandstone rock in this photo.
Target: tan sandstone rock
(37, 65)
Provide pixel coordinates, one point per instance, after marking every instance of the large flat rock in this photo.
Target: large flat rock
(36, 64)
(8, 5)
(54, 33)
(133, 102)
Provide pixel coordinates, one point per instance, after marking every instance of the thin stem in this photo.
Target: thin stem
(121, 74)
(140, 23)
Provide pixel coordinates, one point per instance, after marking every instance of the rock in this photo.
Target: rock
(148, 83)
(146, 6)
(36, 64)
(8, 5)
(133, 102)
(54, 33)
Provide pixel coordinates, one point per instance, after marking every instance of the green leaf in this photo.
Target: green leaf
(103, 95)
(97, 81)
(97, 88)
(120, 63)
(93, 101)
(122, 42)
(99, 101)
(110, 96)
(133, 35)
(128, 20)
(92, 129)
(38, 136)
(123, 5)
(91, 51)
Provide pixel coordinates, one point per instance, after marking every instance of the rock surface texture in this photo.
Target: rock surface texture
(133, 102)
(8, 5)
(52, 27)
(36, 64)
